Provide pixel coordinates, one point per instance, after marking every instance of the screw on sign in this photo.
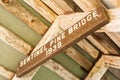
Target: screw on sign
(91, 22)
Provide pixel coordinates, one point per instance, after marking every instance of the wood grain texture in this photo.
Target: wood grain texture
(98, 70)
(42, 9)
(88, 5)
(60, 70)
(57, 8)
(6, 73)
(80, 59)
(14, 41)
(19, 11)
(111, 3)
(115, 72)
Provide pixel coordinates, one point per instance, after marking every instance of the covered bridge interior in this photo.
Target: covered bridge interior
(26, 25)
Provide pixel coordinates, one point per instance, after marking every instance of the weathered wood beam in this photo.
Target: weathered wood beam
(42, 9)
(14, 41)
(102, 66)
(5, 73)
(85, 45)
(64, 6)
(58, 6)
(60, 70)
(88, 5)
(19, 11)
(115, 37)
(112, 61)
(107, 43)
(114, 25)
(111, 3)
(97, 71)
(77, 57)
(115, 72)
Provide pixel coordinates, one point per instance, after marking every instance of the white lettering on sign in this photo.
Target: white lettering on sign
(56, 43)
(83, 21)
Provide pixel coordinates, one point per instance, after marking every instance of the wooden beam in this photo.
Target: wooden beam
(98, 70)
(64, 6)
(60, 7)
(60, 70)
(14, 41)
(5, 73)
(115, 72)
(85, 45)
(19, 11)
(114, 36)
(102, 65)
(88, 5)
(112, 61)
(77, 57)
(42, 9)
(111, 3)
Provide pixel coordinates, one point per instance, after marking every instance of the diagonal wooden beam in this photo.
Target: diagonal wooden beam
(60, 7)
(14, 41)
(6, 73)
(42, 9)
(98, 70)
(19, 11)
(102, 65)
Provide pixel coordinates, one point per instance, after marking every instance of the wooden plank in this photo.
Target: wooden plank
(64, 6)
(107, 43)
(54, 6)
(102, 66)
(58, 8)
(18, 10)
(115, 72)
(109, 76)
(114, 25)
(14, 41)
(80, 59)
(6, 73)
(112, 61)
(60, 70)
(115, 37)
(88, 5)
(98, 70)
(85, 45)
(42, 9)
(111, 3)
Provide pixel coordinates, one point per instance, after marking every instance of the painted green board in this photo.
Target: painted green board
(45, 74)
(18, 27)
(2, 78)
(9, 57)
